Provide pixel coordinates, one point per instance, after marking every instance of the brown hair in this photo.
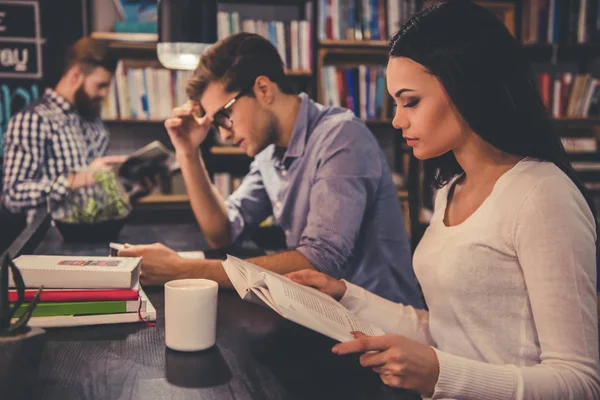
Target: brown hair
(89, 54)
(237, 61)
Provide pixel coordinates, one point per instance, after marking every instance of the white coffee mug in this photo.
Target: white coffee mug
(191, 314)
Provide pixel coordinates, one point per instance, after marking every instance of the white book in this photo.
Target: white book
(122, 91)
(580, 145)
(165, 90)
(112, 111)
(153, 94)
(249, 26)
(222, 25)
(362, 91)
(280, 29)
(149, 314)
(304, 27)
(301, 304)
(78, 272)
(295, 62)
(235, 23)
(141, 93)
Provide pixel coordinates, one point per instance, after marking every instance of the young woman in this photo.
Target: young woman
(508, 263)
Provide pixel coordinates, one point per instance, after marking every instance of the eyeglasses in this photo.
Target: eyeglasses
(222, 118)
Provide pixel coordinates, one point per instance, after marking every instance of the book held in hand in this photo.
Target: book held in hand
(148, 161)
(301, 304)
(78, 272)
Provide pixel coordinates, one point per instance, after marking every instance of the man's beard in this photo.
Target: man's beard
(86, 106)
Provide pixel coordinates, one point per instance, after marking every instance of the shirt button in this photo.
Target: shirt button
(278, 205)
(284, 172)
(287, 232)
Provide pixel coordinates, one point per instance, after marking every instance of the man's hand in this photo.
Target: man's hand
(107, 162)
(159, 263)
(186, 130)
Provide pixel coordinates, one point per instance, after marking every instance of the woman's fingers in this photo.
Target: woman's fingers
(309, 278)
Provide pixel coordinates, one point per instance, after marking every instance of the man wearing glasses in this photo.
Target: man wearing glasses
(317, 170)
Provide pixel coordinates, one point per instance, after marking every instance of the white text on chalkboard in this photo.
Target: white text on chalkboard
(11, 58)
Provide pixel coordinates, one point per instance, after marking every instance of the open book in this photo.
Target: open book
(147, 161)
(301, 304)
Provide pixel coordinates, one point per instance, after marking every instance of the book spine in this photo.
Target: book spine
(76, 295)
(81, 308)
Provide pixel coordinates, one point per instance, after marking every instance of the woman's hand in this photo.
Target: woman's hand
(326, 284)
(399, 361)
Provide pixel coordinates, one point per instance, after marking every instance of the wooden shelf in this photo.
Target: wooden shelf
(579, 120)
(298, 73)
(380, 44)
(126, 37)
(227, 150)
(141, 41)
(164, 199)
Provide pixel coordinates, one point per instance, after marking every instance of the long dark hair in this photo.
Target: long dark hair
(486, 74)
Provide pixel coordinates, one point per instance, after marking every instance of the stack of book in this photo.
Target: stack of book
(82, 290)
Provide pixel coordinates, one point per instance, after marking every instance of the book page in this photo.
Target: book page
(315, 310)
(302, 304)
(238, 277)
(248, 280)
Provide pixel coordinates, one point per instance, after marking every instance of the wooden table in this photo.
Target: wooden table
(258, 354)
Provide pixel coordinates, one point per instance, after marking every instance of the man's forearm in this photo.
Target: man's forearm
(207, 204)
(281, 263)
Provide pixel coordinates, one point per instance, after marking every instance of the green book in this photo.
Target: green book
(82, 308)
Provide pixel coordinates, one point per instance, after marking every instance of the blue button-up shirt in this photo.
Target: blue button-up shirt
(332, 192)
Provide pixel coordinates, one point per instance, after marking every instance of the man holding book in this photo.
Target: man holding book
(317, 170)
(49, 142)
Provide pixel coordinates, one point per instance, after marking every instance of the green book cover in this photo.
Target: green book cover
(80, 308)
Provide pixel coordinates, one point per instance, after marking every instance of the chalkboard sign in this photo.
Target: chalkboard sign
(20, 40)
(34, 35)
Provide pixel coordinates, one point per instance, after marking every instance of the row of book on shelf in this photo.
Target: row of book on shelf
(144, 93)
(569, 94)
(361, 89)
(560, 21)
(363, 19)
(292, 39)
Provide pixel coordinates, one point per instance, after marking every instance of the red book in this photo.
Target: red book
(77, 295)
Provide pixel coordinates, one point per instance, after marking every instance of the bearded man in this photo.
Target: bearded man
(52, 145)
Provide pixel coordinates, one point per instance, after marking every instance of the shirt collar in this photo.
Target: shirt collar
(53, 97)
(297, 143)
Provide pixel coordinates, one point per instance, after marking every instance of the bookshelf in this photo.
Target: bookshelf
(565, 56)
(138, 51)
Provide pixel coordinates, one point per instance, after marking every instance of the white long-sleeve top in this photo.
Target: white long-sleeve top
(511, 293)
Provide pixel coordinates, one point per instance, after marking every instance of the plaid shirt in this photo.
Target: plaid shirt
(43, 145)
